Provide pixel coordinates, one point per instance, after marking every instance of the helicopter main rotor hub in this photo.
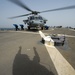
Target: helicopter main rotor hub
(35, 12)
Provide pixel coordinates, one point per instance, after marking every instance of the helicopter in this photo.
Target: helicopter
(35, 20)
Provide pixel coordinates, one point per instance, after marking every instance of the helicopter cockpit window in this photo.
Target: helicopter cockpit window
(31, 18)
(40, 18)
(37, 18)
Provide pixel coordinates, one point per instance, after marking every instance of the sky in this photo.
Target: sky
(55, 18)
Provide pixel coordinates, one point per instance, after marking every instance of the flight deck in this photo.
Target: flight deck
(23, 53)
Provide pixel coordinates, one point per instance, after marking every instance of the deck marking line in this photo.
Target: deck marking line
(61, 64)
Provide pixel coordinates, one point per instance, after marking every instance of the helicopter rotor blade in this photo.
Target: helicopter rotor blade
(57, 9)
(20, 16)
(21, 5)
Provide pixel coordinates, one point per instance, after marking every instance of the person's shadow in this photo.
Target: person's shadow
(22, 65)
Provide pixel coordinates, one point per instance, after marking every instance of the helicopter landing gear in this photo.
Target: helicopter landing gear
(28, 28)
(42, 28)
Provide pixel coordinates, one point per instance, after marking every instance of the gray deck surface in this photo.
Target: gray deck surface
(24, 54)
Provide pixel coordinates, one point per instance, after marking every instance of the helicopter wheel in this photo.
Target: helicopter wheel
(42, 28)
(28, 28)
